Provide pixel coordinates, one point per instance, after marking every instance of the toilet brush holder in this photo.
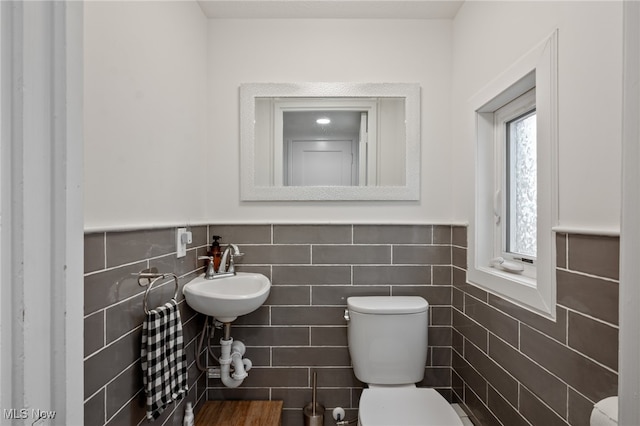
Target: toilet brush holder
(311, 419)
(313, 412)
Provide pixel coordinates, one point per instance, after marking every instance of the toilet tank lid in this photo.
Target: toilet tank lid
(386, 305)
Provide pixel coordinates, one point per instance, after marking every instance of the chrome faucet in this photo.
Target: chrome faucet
(228, 255)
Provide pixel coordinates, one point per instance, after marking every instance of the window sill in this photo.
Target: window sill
(511, 276)
(522, 290)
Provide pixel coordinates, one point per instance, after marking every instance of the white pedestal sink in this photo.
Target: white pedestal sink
(226, 298)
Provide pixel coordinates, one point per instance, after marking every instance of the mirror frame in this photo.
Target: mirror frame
(250, 91)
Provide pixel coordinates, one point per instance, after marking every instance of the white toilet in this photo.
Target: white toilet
(388, 347)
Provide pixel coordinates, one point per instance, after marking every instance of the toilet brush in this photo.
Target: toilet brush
(314, 392)
(314, 412)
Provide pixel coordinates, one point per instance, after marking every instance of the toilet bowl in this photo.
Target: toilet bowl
(405, 407)
(388, 339)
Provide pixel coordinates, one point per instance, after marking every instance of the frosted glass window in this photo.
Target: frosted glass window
(516, 190)
(521, 185)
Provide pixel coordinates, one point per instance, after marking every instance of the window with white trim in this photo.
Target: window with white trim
(511, 242)
(516, 185)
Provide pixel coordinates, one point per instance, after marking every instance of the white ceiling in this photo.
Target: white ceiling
(365, 9)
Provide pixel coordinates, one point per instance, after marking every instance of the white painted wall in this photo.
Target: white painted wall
(315, 50)
(489, 36)
(146, 152)
(629, 372)
(161, 105)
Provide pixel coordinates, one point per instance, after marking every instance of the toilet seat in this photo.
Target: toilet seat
(406, 407)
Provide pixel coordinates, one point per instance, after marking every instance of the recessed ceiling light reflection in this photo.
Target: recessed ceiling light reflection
(323, 120)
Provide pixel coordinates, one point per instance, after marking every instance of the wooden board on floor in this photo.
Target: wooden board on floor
(240, 413)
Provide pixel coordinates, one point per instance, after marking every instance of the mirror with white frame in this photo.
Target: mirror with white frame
(330, 141)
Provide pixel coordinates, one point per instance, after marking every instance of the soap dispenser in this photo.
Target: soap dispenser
(216, 253)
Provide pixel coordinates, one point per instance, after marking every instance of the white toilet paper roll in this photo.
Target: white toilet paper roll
(605, 412)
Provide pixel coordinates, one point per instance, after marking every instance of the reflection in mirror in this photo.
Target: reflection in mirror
(330, 141)
(322, 147)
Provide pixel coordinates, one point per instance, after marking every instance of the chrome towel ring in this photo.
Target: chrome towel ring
(148, 277)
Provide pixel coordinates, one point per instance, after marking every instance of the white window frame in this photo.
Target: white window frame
(523, 104)
(538, 69)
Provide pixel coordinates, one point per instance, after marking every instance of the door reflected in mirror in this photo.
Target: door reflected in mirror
(321, 147)
(331, 141)
(339, 141)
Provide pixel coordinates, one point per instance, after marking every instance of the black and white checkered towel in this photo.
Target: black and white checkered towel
(164, 362)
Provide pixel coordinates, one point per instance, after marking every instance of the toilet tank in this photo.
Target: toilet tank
(388, 338)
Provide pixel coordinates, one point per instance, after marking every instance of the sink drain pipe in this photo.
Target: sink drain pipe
(231, 353)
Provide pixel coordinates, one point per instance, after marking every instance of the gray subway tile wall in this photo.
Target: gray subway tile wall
(113, 321)
(314, 269)
(484, 351)
(511, 366)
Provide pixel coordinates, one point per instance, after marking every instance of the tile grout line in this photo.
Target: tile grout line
(586, 274)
